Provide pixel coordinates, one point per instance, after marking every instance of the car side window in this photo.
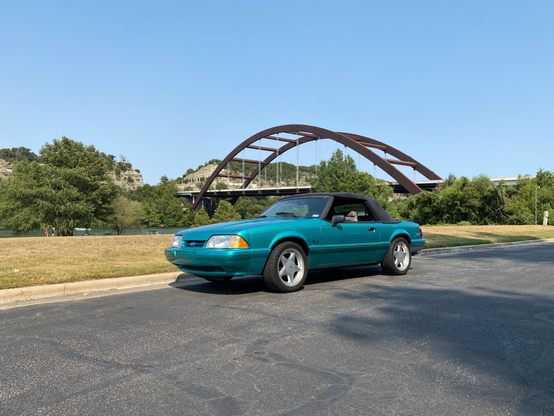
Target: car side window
(368, 216)
(352, 211)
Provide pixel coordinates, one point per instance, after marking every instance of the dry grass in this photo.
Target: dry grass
(41, 260)
(451, 236)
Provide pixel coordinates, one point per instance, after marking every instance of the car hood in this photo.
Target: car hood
(235, 227)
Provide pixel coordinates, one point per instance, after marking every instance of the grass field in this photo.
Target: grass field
(42, 260)
(30, 261)
(452, 236)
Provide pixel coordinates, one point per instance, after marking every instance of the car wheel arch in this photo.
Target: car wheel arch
(401, 233)
(294, 239)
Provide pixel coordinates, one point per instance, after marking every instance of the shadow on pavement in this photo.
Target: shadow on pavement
(251, 284)
(504, 335)
(236, 286)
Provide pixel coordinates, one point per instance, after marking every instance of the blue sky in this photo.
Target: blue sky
(463, 87)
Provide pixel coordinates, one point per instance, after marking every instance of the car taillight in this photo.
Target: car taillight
(420, 232)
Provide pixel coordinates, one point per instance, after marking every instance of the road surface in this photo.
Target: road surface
(461, 334)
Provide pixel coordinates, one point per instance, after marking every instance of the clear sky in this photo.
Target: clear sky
(464, 87)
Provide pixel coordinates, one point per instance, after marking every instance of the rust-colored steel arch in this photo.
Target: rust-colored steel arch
(305, 133)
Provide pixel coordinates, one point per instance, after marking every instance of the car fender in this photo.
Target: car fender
(289, 235)
(400, 233)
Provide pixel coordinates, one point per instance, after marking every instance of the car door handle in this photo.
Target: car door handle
(371, 228)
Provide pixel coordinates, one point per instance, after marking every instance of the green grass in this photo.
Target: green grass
(30, 261)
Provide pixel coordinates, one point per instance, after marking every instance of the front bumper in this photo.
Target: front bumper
(216, 262)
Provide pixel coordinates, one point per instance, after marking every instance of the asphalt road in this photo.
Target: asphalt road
(461, 334)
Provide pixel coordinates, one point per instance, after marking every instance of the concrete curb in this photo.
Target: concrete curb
(479, 247)
(89, 286)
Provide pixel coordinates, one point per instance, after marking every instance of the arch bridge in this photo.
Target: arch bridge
(305, 134)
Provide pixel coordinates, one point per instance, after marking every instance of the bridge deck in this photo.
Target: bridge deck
(293, 190)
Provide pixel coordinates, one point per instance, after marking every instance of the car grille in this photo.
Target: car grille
(193, 243)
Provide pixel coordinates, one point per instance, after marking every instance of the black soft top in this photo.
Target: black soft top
(379, 211)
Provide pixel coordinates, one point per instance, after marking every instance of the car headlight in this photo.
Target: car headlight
(226, 241)
(177, 241)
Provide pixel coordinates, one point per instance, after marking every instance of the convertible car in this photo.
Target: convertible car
(297, 234)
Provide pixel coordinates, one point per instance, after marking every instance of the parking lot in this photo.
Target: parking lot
(461, 334)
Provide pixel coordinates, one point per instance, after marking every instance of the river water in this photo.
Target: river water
(99, 231)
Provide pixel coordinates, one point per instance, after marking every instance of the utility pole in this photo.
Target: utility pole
(536, 192)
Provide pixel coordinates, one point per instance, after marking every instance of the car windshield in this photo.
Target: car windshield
(297, 207)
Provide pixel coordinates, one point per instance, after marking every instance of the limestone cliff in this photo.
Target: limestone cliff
(5, 169)
(127, 180)
(195, 181)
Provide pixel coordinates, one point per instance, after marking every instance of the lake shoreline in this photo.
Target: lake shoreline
(99, 231)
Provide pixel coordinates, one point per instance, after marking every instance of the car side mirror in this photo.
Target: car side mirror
(336, 219)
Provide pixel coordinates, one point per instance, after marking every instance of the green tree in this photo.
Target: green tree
(339, 174)
(251, 206)
(545, 194)
(545, 178)
(161, 207)
(520, 207)
(486, 201)
(225, 212)
(201, 218)
(18, 154)
(423, 208)
(476, 201)
(220, 185)
(139, 194)
(69, 188)
(126, 214)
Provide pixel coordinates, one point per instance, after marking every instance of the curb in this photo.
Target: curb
(479, 247)
(22, 294)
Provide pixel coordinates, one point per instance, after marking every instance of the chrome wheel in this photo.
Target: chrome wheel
(401, 256)
(398, 258)
(286, 268)
(291, 267)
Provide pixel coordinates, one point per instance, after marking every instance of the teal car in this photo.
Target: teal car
(297, 234)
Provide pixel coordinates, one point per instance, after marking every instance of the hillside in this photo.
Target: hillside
(5, 169)
(287, 176)
(126, 179)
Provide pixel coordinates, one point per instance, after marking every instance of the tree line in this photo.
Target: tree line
(67, 186)
(480, 202)
(462, 201)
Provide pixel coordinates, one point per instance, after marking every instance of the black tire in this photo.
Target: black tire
(218, 279)
(286, 268)
(398, 259)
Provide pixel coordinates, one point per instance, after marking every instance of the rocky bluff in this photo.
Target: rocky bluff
(5, 169)
(127, 180)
